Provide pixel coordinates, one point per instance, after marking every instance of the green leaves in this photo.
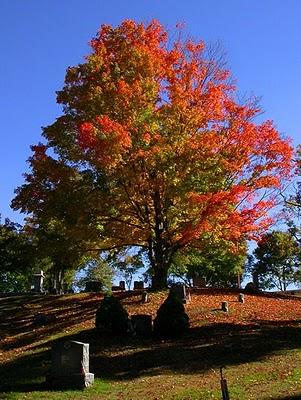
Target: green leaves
(277, 260)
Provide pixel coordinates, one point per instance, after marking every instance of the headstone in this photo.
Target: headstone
(93, 286)
(43, 319)
(144, 297)
(225, 306)
(199, 282)
(115, 288)
(241, 298)
(70, 365)
(255, 279)
(142, 324)
(37, 282)
(138, 285)
(122, 285)
(251, 288)
(180, 292)
(40, 319)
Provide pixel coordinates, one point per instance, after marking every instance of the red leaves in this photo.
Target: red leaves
(104, 140)
(162, 116)
(39, 152)
(86, 136)
(111, 128)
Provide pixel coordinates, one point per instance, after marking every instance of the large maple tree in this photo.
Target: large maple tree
(154, 150)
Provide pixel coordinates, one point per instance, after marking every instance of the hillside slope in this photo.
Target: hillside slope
(259, 342)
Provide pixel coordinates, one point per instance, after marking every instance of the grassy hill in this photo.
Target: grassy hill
(259, 343)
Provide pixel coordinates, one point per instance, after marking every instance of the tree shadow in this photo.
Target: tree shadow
(124, 358)
(22, 319)
(293, 397)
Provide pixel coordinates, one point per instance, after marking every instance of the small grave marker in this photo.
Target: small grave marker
(241, 298)
(122, 285)
(40, 319)
(225, 306)
(70, 365)
(144, 297)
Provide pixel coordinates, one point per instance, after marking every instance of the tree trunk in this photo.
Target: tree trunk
(57, 281)
(159, 279)
(159, 250)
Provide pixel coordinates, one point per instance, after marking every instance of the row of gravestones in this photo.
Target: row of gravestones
(198, 282)
(96, 286)
(91, 286)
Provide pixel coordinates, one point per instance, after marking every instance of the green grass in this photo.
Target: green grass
(98, 390)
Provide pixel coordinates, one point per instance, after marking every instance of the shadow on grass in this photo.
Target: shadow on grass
(200, 350)
(63, 313)
(294, 397)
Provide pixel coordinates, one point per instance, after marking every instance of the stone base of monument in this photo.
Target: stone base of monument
(79, 381)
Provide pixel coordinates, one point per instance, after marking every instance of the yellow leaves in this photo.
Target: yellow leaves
(148, 115)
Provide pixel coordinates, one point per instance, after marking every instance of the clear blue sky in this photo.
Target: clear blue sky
(39, 39)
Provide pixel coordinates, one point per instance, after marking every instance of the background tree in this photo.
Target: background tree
(16, 258)
(293, 202)
(61, 254)
(218, 265)
(127, 262)
(277, 260)
(98, 269)
(153, 150)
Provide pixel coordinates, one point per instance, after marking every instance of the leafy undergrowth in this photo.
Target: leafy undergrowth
(258, 342)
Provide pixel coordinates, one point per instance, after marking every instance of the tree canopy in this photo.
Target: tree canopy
(154, 150)
(277, 260)
(215, 263)
(16, 257)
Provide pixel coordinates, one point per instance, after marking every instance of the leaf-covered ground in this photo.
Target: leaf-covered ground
(258, 342)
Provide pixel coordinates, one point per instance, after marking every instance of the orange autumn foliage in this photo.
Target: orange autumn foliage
(179, 157)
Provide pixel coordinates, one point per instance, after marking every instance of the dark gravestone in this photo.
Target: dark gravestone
(138, 285)
(43, 319)
(199, 282)
(93, 286)
(70, 365)
(122, 285)
(180, 292)
(115, 288)
(142, 324)
(251, 288)
(255, 279)
(225, 306)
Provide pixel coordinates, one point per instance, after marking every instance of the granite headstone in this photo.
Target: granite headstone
(70, 365)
